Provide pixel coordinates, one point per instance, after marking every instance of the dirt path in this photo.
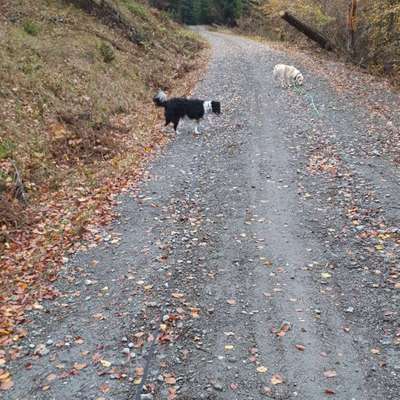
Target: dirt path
(268, 246)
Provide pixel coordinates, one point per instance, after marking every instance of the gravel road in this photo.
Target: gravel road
(267, 247)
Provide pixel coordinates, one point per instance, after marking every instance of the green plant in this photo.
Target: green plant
(136, 8)
(6, 147)
(31, 28)
(107, 52)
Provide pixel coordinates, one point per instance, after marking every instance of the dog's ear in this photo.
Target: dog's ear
(216, 107)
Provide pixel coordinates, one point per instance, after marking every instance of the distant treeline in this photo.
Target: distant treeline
(195, 12)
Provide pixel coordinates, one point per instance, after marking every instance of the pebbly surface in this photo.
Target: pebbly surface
(261, 257)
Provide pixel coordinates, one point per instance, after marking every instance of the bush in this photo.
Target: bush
(137, 9)
(107, 52)
(31, 28)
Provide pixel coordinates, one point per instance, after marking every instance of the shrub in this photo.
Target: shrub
(31, 28)
(107, 52)
(136, 8)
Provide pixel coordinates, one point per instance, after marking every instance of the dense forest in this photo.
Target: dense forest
(203, 11)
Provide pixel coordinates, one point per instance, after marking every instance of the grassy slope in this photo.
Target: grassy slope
(76, 120)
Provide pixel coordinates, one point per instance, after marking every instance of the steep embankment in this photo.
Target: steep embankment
(76, 122)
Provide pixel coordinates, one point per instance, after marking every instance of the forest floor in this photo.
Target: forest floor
(259, 259)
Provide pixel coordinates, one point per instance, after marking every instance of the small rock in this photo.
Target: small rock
(41, 350)
(217, 386)
(147, 396)
(349, 309)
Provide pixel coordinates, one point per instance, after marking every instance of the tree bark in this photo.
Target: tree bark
(351, 24)
(307, 30)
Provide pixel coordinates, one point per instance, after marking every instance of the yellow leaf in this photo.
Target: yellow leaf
(262, 370)
(276, 379)
(81, 366)
(228, 347)
(105, 363)
(375, 351)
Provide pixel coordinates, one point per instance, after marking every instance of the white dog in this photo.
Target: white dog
(287, 75)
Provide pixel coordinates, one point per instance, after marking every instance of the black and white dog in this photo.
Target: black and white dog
(180, 107)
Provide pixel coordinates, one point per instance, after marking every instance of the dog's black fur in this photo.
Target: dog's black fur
(178, 108)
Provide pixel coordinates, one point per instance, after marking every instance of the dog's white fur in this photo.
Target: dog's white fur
(288, 75)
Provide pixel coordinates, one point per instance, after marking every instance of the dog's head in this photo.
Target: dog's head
(216, 107)
(160, 98)
(299, 79)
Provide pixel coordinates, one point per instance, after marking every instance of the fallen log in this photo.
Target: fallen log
(307, 30)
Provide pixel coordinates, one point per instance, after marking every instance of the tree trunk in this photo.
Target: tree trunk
(307, 30)
(351, 24)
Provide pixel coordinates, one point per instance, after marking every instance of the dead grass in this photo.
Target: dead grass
(76, 117)
(68, 81)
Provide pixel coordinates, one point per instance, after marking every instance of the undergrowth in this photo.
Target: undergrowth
(76, 119)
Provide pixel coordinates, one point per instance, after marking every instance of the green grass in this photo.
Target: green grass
(137, 9)
(31, 28)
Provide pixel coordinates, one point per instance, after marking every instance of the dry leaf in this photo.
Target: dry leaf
(329, 391)
(231, 302)
(262, 370)
(276, 379)
(169, 379)
(177, 295)
(78, 366)
(195, 312)
(51, 377)
(300, 347)
(375, 351)
(330, 373)
(105, 363)
(104, 388)
(6, 385)
(228, 347)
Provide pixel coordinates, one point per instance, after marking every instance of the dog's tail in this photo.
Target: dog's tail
(160, 99)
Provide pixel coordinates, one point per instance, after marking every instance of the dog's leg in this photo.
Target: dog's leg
(176, 123)
(196, 129)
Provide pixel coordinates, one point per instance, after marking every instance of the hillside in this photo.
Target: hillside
(76, 123)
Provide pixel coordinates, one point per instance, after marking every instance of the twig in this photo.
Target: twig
(19, 192)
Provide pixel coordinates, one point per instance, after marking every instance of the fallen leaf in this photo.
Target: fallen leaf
(285, 327)
(178, 295)
(104, 388)
(375, 351)
(276, 379)
(300, 347)
(139, 371)
(231, 302)
(105, 363)
(262, 370)
(6, 385)
(326, 275)
(228, 347)
(51, 377)
(233, 386)
(195, 312)
(78, 366)
(329, 391)
(169, 379)
(330, 373)
(171, 393)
